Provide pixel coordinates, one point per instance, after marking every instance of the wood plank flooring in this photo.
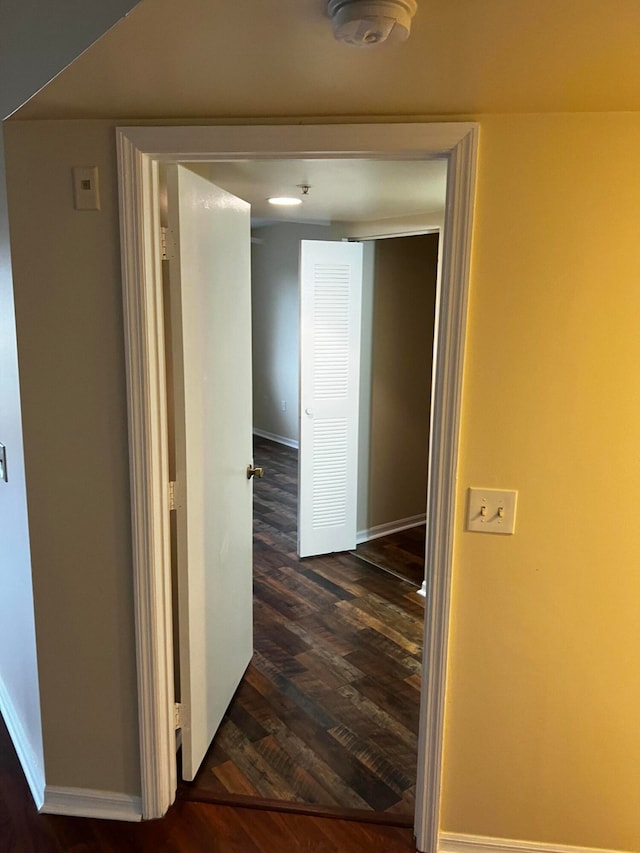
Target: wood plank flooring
(401, 553)
(187, 828)
(327, 713)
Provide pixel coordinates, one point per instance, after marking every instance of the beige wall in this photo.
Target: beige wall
(543, 687)
(19, 694)
(70, 334)
(41, 39)
(275, 289)
(402, 345)
(38, 40)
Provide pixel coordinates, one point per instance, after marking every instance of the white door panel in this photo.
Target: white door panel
(210, 313)
(330, 309)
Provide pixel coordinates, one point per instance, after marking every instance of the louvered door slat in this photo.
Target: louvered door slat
(331, 284)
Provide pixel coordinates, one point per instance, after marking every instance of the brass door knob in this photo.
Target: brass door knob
(254, 472)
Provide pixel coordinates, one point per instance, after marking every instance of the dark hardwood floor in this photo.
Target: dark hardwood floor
(327, 713)
(401, 553)
(187, 828)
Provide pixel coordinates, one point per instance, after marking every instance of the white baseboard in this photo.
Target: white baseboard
(454, 843)
(391, 527)
(86, 802)
(423, 589)
(280, 439)
(31, 765)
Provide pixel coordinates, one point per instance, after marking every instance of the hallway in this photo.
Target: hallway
(327, 713)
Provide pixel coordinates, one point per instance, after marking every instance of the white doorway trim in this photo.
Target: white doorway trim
(140, 149)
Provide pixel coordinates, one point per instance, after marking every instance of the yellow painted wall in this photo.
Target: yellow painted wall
(543, 739)
(542, 732)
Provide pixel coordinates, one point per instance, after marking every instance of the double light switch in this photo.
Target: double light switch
(491, 510)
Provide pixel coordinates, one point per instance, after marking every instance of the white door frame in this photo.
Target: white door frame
(140, 150)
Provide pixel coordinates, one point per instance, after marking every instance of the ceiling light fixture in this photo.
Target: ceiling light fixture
(366, 23)
(284, 201)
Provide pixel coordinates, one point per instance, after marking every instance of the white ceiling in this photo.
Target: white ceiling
(262, 58)
(340, 190)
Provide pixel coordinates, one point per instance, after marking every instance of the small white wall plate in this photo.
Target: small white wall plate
(491, 510)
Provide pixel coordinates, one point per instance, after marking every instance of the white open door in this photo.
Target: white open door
(330, 309)
(210, 319)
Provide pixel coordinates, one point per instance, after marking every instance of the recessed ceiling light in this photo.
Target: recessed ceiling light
(284, 201)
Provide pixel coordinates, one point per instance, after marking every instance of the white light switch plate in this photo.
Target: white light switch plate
(86, 193)
(491, 510)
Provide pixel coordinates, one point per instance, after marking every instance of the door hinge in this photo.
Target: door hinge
(177, 716)
(172, 494)
(167, 244)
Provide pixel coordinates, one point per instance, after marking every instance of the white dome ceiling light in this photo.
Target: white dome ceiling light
(289, 201)
(284, 201)
(366, 23)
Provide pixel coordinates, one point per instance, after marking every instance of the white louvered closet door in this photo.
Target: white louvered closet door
(330, 309)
